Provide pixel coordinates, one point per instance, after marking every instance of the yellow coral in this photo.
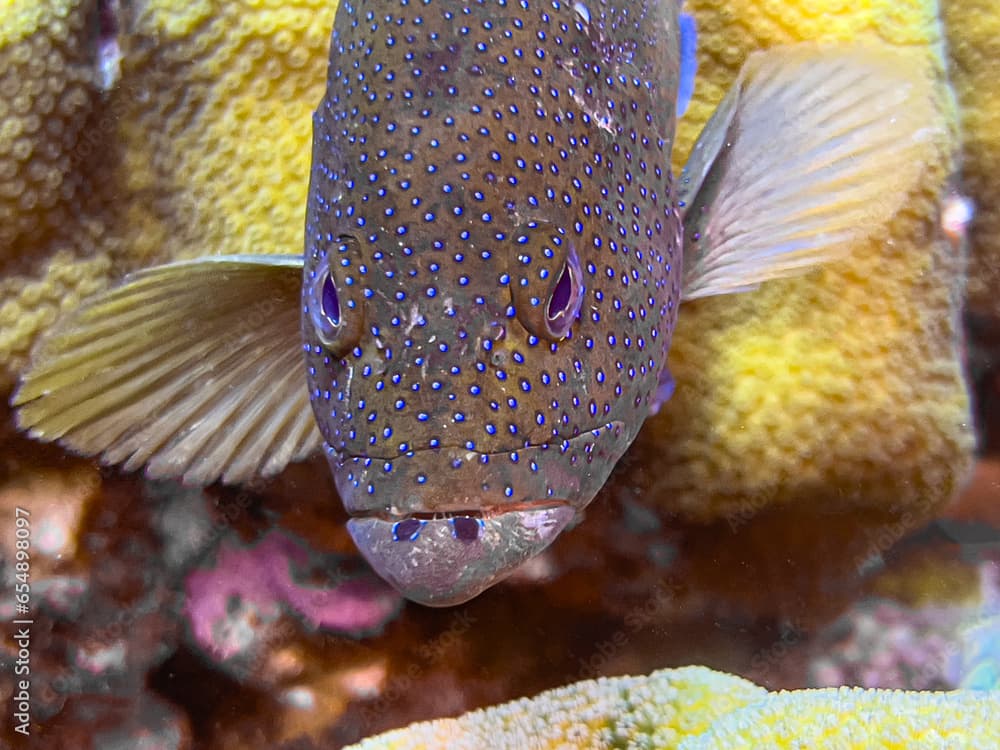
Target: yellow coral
(845, 718)
(48, 89)
(693, 708)
(973, 29)
(655, 711)
(201, 148)
(842, 389)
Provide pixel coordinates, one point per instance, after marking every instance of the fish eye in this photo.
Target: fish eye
(547, 287)
(330, 301)
(566, 297)
(325, 311)
(336, 319)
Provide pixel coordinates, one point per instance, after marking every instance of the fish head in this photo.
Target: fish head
(490, 282)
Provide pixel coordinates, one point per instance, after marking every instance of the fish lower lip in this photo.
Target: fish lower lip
(440, 562)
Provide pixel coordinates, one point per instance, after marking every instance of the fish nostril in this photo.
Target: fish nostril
(466, 528)
(566, 298)
(408, 530)
(330, 301)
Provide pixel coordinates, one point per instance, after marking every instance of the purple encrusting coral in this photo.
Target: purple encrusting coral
(886, 644)
(262, 578)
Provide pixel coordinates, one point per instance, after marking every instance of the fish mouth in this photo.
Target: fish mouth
(448, 559)
(483, 513)
(442, 525)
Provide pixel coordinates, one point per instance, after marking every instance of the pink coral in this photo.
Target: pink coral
(262, 577)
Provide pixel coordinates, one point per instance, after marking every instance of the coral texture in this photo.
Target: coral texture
(973, 30)
(656, 711)
(249, 585)
(938, 643)
(48, 89)
(692, 707)
(861, 719)
(842, 389)
(885, 644)
(202, 146)
(49, 94)
(977, 665)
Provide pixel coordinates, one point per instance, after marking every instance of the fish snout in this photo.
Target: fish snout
(442, 561)
(444, 525)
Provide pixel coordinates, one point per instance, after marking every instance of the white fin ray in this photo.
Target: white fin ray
(126, 409)
(175, 448)
(234, 408)
(256, 448)
(192, 369)
(813, 149)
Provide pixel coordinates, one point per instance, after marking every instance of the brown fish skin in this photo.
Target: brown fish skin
(481, 172)
(504, 261)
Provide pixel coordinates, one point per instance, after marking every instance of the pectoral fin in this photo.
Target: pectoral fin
(812, 149)
(193, 369)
